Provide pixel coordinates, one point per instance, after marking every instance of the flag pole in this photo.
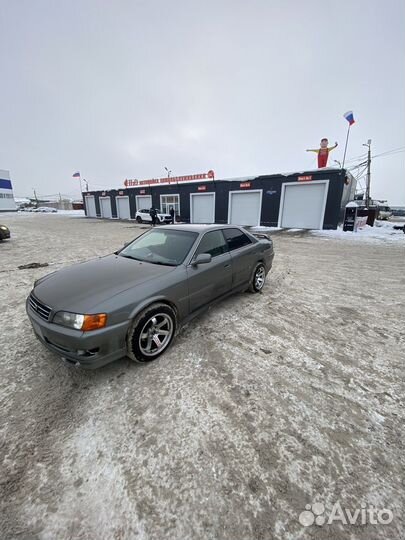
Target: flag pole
(347, 139)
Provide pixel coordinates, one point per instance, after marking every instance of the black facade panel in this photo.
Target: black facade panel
(271, 186)
(97, 202)
(184, 191)
(113, 194)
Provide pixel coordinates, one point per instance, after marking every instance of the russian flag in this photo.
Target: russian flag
(76, 175)
(349, 117)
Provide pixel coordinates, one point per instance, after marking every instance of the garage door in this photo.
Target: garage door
(143, 202)
(123, 207)
(202, 207)
(105, 207)
(303, 205)
(245, 207)
(90, 206)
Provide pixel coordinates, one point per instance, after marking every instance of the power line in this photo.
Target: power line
(357, 166)
(390, 153)
(362, 156)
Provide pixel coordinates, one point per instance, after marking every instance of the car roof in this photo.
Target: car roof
(199, 228)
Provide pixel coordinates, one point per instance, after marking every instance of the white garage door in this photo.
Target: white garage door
(245, 207)
(105, 207)
(90, 206)
(202, 206)
(303, 205)
(123, 207)
(143, 202)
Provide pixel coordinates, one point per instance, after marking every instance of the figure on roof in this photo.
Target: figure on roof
(323, 152)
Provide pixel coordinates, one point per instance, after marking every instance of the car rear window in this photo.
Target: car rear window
(236, 238)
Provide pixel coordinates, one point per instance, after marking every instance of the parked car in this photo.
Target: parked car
(4, 233)
(142, 216)
(132, 302)
(45, 209)
(384, 212)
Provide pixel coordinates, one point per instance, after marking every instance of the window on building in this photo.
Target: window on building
(212, 242)
(170, 201)
(236, 238)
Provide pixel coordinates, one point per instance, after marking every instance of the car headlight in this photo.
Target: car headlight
(79, 321)
(3, 228)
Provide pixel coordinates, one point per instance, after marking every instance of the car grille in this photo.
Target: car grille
(41, 309)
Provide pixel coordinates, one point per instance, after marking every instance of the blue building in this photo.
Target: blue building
(7, 203)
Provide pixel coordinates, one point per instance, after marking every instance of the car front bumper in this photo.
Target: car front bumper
(88, 350)
(4, 234)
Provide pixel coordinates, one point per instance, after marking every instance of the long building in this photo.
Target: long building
(308, 199)
(7, 203)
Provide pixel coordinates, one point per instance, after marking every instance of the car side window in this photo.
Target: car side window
(236, 238)
(212, 242)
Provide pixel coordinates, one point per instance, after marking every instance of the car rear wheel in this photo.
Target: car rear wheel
(139, 219)
(151, 333)
(259, 279)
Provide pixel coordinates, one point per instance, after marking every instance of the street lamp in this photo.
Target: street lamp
(368, 144)
(168, 172)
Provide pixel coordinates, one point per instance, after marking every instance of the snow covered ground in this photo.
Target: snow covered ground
(383, 231)
(71, 213)
(265, 404)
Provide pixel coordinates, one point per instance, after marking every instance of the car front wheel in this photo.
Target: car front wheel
(151, 333)
(259, 278)
(139, 219)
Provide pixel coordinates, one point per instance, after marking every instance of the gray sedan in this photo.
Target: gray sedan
(131, 303)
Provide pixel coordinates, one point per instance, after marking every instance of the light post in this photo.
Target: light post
(368, 144)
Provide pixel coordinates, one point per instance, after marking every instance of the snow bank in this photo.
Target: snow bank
(383, 231)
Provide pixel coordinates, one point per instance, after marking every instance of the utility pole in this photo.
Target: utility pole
(368, 173)
(87, 184)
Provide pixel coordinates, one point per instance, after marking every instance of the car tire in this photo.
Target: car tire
(156, 323)
(139, 219)
(258, 279)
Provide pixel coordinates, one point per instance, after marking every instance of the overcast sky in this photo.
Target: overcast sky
(122, 88)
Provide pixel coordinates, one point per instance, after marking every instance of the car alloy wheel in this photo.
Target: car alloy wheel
(259, 278)
(156, 334)
(151, 333)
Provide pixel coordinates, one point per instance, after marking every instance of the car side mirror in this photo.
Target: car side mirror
(202, 258)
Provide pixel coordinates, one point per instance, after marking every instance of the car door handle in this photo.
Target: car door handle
(226, 265)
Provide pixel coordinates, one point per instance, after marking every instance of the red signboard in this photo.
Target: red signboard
(304, 178)
(202, 188)
(245, 185)
(171, 180)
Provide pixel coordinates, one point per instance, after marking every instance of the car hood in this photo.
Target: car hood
(79, 288)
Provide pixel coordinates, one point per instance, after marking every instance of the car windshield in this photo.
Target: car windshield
(168, 247)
